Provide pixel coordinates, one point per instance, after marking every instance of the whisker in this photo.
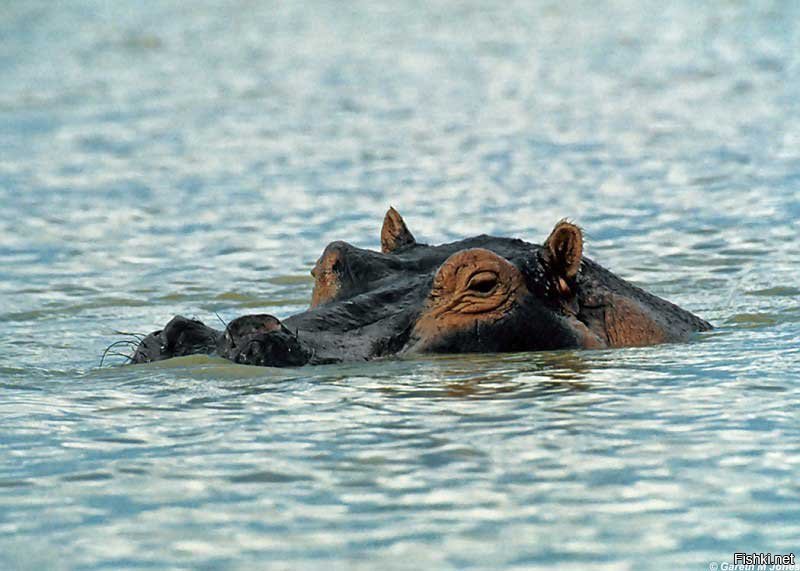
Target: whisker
(116, 354)
(139, 336)
(116, 344)
(223, 323)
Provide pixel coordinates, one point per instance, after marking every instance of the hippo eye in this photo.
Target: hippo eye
(482, 282)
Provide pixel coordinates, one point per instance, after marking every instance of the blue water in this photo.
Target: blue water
(159, 158)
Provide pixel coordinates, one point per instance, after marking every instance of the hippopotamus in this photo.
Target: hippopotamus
(483, 294)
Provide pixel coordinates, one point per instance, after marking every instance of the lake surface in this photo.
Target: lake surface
(161, 158)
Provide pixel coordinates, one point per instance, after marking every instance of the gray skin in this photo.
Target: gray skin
(370, 304)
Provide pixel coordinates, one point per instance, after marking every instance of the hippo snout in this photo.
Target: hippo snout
(261, 340)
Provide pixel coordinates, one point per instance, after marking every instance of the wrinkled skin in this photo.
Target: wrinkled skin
(482, 294)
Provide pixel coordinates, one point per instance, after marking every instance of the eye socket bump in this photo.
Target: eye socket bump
(482, 282)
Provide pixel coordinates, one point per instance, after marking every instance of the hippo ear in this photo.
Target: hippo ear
(394, 233)
(564, 249)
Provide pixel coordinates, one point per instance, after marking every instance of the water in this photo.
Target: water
(161, 158)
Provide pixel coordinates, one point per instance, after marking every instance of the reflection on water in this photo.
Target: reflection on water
(157, 161)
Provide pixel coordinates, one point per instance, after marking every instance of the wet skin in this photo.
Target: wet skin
(482, 294)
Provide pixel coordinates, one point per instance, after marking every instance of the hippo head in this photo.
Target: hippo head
(481, 294)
